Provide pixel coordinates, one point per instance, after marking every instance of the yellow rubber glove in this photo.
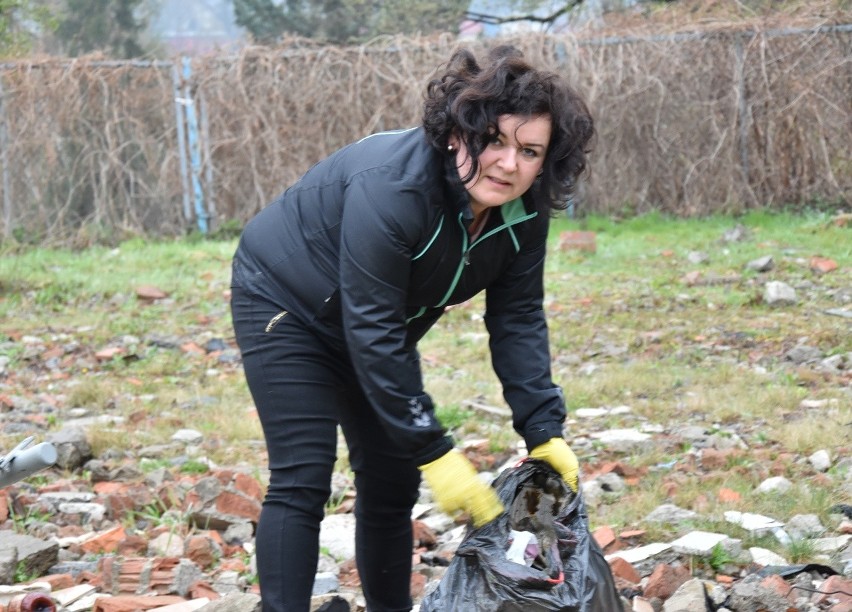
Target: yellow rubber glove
(456, 486)
(561, 458)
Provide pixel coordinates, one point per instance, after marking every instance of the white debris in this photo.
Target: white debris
(755, 523)
(766, 557)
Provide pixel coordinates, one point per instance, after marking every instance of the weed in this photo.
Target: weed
(32, 515)
(13, 352)
(90, 393)
(811, 434)
(803, 498)
(502, 440)
(453, 416)
(801, 550)
(719, 558)
(158, 514)
(194, 466)
(147, 465)
(23, 573)
(334, 502)
(152, 513)
(103, 438)
(38, 480)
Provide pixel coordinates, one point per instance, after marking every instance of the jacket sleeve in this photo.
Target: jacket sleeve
(520, 347)
(382, 220)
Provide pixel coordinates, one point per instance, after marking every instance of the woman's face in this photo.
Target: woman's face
(510, 163)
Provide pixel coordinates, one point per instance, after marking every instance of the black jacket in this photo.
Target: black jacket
(371, 245)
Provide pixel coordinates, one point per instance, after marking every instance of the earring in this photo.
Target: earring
(450, 148)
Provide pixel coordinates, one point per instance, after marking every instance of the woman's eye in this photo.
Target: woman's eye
(529, 152)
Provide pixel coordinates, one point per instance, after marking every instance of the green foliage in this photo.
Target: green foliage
(346, 21)
(23, 573)
(802, 550)
(719, 558)
(147, 465)
(194, 466)
(267, 21)
(32, 515)
(156, 514)
(20, 23)
(115, 27)
(407, 17)
(453, 416)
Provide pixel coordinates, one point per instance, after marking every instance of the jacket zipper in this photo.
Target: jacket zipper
(506, 225)
(466, 248)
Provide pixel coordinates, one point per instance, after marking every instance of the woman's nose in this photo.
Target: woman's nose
(509, 159)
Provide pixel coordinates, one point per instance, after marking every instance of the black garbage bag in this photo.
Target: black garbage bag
(562, 569)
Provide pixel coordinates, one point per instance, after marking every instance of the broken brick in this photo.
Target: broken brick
(134, 603)
(665, 580)
(104, 542)
(623, 569)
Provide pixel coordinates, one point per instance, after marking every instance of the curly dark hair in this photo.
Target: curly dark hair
(467, 100)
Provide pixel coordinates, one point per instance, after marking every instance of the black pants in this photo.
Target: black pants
(303, 389)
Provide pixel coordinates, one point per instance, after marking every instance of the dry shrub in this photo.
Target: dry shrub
(721, 122)
(88, 147)
(689, 122)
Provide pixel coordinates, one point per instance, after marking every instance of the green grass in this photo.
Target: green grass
(676, 353)
(95, 290)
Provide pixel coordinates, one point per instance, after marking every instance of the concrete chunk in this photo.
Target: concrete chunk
(234, 602)
(702, 543)
(634, 555)
(755, 523)
(35, 556)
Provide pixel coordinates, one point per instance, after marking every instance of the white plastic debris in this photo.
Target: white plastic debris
(523, 548)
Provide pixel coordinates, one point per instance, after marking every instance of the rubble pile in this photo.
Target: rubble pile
(121, 540)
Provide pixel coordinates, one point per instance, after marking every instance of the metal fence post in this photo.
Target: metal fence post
(208, 159)
(181, 143)
(742, 104)
(194, 148)
(4, 146)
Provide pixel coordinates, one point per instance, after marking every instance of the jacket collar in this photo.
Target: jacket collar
(456, 196)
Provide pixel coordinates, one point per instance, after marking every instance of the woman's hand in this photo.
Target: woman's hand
(456, 486)
(561, 458)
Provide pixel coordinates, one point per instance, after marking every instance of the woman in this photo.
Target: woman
(336, 281)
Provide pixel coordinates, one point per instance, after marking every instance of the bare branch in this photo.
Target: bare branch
(496, 20)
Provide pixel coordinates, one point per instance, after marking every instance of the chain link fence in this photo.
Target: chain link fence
(688, 124)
